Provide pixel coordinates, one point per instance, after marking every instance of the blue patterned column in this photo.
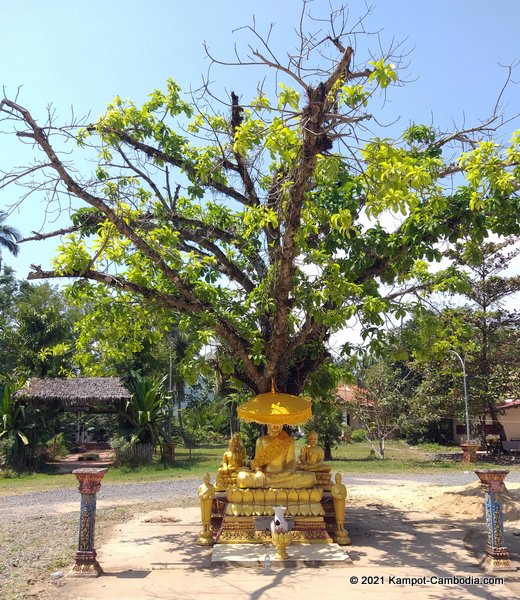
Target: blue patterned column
(89, 485)
(497, 555)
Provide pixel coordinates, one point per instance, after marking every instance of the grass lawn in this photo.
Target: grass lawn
(347, 458)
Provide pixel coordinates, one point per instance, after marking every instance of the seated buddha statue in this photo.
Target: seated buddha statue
(311, 456)
(274, 463)
(232, 461)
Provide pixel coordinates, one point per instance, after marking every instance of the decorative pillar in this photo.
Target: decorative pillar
(497, 555)
(89, 484)
(469, 451)
(168, 453)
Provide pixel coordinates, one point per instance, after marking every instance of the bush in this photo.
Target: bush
(5, 449)
(129, 454)
(55, 447)
(89, 456)
(359, 435)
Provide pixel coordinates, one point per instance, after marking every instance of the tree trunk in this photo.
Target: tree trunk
(382, 446)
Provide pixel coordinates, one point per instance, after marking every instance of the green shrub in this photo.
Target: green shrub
(55, 447)
(5, 449)
(359, 435)
(89, 456)
(129, 454)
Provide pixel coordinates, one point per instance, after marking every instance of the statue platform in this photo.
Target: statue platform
(310, 555)
(243, 516)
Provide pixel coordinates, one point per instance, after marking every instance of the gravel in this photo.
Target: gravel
(38, 503)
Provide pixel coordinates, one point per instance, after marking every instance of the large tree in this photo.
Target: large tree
(266, 225)
(36, 330)
(493, 360)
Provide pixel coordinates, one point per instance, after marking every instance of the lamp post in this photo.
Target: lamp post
(465, 392)
(469, 449)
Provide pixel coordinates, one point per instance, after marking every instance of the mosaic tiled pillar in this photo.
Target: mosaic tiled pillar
(89, 484)
(497, 555)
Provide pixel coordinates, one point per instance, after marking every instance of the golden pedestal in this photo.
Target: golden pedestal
(323, 481)
(244, 508)
(281, 541)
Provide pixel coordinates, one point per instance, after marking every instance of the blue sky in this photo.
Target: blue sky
(82, 53)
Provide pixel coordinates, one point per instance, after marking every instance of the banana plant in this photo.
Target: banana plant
(146, 409)
(12, 418)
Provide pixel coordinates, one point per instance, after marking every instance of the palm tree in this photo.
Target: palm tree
(9, 236)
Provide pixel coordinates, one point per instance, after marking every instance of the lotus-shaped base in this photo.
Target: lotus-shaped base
(281, 541)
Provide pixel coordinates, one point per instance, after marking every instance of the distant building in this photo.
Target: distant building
(348, 396)
(509, 416)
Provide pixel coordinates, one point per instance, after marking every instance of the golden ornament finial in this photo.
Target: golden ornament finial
(273, 391)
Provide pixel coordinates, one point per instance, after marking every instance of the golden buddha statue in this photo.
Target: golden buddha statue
(206, 494)
(339, 495)
(274, 463)
(232, 461)
(312, 455)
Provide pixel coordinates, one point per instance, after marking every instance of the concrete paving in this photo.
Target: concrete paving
(299, 555)
(393, 555)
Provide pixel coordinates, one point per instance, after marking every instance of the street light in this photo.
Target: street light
(465, 392)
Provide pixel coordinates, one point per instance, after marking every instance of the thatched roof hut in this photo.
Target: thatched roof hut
(79, 394)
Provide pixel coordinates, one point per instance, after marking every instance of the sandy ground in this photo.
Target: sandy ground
(399, 529)
(456, 503)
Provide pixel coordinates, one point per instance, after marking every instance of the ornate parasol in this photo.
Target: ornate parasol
(272, 408)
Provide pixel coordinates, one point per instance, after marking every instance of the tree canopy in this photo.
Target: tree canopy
(273, 223)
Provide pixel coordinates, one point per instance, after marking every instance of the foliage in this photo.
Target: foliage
(12, 417)
(145, 411)
(381, 403)
(327, 418)
(55, 447)
(14, 427)
(205, 421)
(482, 331)
(493, 357)
(267, 226)
(118, 333)
(359, 435)
(9, 237)
(92, 456)
(36, 330)
(326, 422)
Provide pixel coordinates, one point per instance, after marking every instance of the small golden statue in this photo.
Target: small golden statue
(206, 494)
(339, 496)
(312, 455)
(311, 460)
(232, 461)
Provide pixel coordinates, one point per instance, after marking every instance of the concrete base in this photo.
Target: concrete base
(300, 555)
(492, 565)
(92, 569)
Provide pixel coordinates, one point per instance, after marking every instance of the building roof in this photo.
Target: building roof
(511, 404)
(98, 394)
(352, 394)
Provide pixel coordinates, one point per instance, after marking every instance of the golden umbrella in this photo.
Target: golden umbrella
(272, 408)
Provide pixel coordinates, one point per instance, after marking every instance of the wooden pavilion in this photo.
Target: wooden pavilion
(82, 395)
